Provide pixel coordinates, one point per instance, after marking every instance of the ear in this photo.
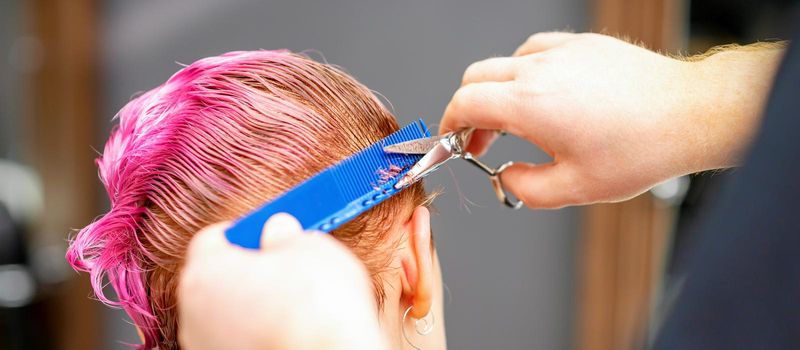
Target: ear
(418, 264)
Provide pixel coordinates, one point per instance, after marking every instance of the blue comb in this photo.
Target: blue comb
(339, 193)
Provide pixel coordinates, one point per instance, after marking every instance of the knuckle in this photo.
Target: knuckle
(470, 72)
(541, 62)
(523, 93)
(544, 57)
(537, 36)
(465, 97)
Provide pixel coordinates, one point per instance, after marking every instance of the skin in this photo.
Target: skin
(616, 118)
(239, 299)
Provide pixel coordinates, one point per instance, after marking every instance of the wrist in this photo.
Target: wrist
(725, 97)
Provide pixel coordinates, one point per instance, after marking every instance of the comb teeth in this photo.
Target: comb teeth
(360, 173)
(338, 194)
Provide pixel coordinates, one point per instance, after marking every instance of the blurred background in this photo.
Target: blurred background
(586, 278)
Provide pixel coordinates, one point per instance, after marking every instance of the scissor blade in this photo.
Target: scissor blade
(431, 161)
(418, 146)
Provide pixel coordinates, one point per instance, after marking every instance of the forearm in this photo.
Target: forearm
(732, 87)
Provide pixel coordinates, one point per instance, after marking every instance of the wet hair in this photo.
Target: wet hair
(219, 138)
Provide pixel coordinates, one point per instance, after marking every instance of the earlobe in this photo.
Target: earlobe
(419, 268)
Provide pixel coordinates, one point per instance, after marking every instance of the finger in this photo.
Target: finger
(481, 140)
(280, 227)
(487, 105)
(538, 186)
(210, 240)
(544, 41)
(208, 251)
(491, 69)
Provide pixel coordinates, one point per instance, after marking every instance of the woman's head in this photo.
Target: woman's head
(219, 138)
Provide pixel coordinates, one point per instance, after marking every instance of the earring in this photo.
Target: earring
(423, 326)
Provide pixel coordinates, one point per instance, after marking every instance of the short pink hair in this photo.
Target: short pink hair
(219, 138)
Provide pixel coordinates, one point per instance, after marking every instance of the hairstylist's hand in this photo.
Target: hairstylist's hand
(300, 291)
(616, 118)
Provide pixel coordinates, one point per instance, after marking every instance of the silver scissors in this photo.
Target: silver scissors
(438, 150)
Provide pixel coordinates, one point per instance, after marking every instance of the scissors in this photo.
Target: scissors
(438, 150)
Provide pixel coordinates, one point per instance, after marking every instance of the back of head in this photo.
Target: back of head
(219, 138)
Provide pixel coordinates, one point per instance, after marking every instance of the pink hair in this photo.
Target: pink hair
(217, 139)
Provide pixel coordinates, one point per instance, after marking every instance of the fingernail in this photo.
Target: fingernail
(280, 226)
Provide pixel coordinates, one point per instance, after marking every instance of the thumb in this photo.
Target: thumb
(279, 227)
(538, 186)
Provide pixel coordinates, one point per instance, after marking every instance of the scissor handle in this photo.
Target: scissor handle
(497, 183)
